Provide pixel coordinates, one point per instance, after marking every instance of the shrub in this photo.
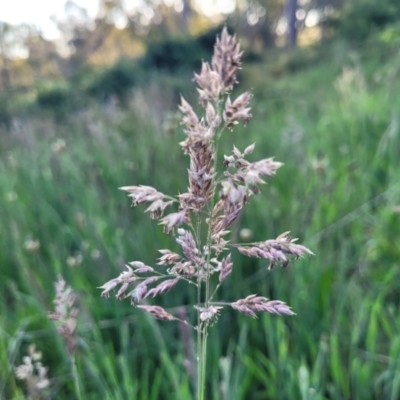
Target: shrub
(117, 80)
(362, 18)
(58, 99)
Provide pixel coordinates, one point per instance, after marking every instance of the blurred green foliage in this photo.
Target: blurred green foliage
(5, 114)
(117, 80)
(333, 122)
(362, 18)
(181, 53)
(172, 55)
(59, 99)
(391, 34)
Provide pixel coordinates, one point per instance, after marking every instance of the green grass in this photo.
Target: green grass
(337, 192)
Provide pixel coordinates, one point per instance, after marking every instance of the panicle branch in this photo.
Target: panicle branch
(124, 279)
(225, 268)
(165, 286)
(226, 59)
(276, 250)
(210, 314)
(238, 110)
(147, 194)
(253, 303)
(158, 312)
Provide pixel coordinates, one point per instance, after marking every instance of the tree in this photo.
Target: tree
(5, 30)
(291, 9)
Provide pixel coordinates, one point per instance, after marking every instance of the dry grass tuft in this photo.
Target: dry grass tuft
(34, 374)
(65, 314)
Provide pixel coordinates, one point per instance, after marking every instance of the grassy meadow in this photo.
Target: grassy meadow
(334, 123)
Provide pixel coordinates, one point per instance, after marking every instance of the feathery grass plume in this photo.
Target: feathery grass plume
(65, 316)
(214, 200)
(34, 374)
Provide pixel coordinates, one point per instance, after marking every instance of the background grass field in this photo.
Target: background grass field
(334, 123)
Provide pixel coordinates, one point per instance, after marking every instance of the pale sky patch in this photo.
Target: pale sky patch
(41, 13)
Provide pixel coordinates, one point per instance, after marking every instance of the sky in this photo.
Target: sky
(39, 13)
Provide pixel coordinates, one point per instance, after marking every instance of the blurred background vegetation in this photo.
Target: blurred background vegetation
(95, 109)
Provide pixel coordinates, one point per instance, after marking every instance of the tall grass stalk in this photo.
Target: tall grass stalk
(65, 317)
(76, 378)
(214, 200)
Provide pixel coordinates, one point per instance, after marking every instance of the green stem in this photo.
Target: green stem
(75, 377)
(199, 330)
(203, 361)
(199, 359)
(170, 276)
(204, 330)
(220, 303)
(186, 323)
(210, 219)
(215, 291)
